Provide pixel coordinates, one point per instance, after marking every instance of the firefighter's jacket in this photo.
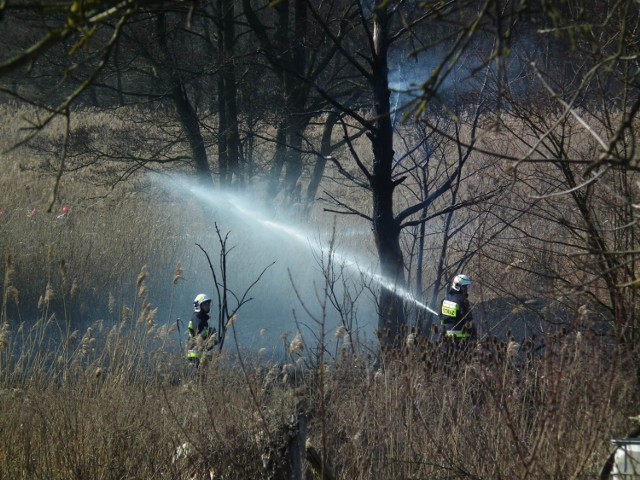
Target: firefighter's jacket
(202, 338)
(456, 315)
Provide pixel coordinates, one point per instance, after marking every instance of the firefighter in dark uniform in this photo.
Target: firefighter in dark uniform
(202, 338)
(456, 317)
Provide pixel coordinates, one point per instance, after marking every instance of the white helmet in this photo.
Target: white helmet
(460, 281)
(199, 300)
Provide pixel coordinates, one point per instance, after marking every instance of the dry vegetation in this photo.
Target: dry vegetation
(112, 399)
(114, 402)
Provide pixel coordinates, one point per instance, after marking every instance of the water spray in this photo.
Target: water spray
(249, 211)
(342, 258)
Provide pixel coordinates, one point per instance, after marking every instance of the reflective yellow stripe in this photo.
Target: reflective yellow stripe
(193, 354)
(458, 335)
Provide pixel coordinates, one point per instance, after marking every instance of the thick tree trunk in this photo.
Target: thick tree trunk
(293, 159)
(278, 161)
(229, 136)
(287, 157)
(223, 151)
(386, 229)
(187, 114)
(191, 126)
(296, 93)
(119, 85)
(288, 50)
(321, 162)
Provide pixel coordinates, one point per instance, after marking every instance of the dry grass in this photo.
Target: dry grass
(107, 237)
(116, 401)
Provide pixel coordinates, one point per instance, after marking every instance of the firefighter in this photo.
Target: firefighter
(456, 317)
(202, 338)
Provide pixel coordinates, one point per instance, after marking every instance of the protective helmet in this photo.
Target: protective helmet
(199, 300)
(460, 281)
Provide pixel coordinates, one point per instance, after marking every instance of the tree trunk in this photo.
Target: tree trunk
(321, 162)
(223, 151)
(187, 114)
(119, 85)
(191, 126)
(386, 229)
(296, 92)
(288, 50)
(229, 146)
(287, 157)
(278, 161)
(293, 159)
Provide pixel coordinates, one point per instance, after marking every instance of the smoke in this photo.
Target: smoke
(429, 68)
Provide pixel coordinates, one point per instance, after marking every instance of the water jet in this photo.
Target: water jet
(235, 210)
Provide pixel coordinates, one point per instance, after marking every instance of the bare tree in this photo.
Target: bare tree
(292, 42)
(577, 159)
(445, 179)
(229, 134)
(170, 74)
(381, 25)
